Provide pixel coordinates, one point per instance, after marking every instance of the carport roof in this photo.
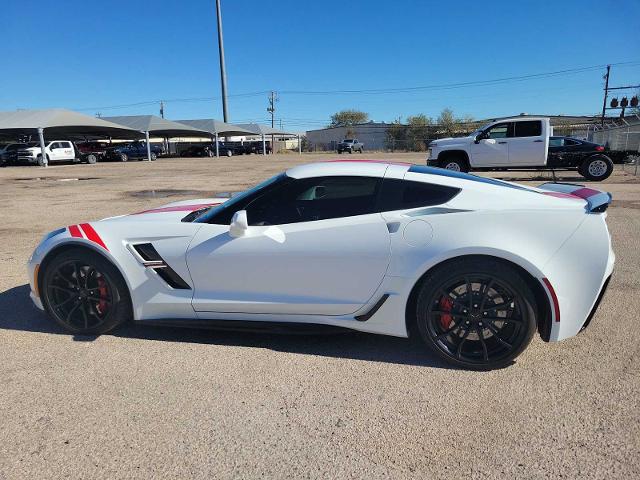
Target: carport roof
(216, 126)
(158, 126)
(61, 122)
(259, 129)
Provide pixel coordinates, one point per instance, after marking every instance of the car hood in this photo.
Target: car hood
(171, 212)
(450, 141)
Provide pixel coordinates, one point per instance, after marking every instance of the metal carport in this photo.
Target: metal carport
(60, 122)
(150, 124)
(216, 128)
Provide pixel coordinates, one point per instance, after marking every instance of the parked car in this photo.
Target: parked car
(55, 151)
(9, 153)
(209, 150)
(515, 143)
(590, 159)
(350, 145)
(472, 266)
(93, 151)
(132, 151)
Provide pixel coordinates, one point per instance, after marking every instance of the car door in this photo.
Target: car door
(55, 151)
(528, 146)
(66, 151)
(491, 148)
(313, 246)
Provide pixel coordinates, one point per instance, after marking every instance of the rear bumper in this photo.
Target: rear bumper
(597, 304)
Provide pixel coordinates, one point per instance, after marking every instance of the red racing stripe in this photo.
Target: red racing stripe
(92, 235)
(74, 231)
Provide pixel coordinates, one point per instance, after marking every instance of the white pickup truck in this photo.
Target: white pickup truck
(510, 143)
(56, 151)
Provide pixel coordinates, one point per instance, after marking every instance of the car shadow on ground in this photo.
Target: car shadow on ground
(18, 313)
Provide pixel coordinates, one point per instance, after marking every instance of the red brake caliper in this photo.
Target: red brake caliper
(102, 290)
(446, 304)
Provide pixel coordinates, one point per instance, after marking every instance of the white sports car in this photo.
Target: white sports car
(473, 266)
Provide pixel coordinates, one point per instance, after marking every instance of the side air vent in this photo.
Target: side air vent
(152, 259)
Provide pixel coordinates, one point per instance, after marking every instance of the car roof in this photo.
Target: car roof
(378, 168)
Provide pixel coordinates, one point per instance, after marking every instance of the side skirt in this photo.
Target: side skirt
(289, 328)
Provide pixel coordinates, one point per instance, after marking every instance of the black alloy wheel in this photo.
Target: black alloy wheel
(478, 316)
(85, 293)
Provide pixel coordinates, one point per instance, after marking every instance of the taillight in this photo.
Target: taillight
(599, 148)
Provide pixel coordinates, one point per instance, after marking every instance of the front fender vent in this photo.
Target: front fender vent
(152, 259)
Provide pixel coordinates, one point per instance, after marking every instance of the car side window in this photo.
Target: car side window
(529, 128)
(499, 130)
(571, 143)
(313, 199)
(556, 142)
(399, 194)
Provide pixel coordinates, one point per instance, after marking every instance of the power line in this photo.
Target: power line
(435, 87)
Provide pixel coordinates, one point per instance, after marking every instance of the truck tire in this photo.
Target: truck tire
(229, 153)
(124, 157)
(455, 164)
(91, 158)
(153, 157)
(596, 167)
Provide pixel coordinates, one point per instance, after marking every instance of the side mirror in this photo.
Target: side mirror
(239, 224)
(480, 136)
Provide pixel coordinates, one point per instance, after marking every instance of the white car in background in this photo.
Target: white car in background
(55, 151)
(471, 265)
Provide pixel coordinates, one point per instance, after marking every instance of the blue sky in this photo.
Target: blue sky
(94, 56)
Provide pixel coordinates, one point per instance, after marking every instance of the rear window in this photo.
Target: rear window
(531, 128)
(404, 194)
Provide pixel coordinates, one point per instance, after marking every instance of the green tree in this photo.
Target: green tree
(418, 129)
(449, 125)
(347, 118)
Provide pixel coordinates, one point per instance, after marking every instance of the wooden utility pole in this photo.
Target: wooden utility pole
(606, 92)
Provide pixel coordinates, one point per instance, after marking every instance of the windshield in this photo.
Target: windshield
(238, 200)
(348, 140)
(476, 132)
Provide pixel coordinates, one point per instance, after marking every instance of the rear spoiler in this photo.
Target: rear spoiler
(597, 201)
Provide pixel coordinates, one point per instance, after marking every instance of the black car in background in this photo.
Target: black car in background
(131, 151)
(591, 159)
(9, 153)
(226, 149)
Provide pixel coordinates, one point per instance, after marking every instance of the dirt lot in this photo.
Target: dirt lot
(145, 402)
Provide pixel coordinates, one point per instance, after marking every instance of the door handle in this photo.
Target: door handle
(537, 141)
(501, 143)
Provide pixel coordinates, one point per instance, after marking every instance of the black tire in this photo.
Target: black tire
(455, 164)
(229, 153)
(91, 158)
(464, 330)
(596, 167)
(103, 301)
(153, 157)
(124, 157)
(211, 153)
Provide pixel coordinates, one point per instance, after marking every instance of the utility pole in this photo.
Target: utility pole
(161, 108)
(223, 72)
(273, 98)
(606, 92)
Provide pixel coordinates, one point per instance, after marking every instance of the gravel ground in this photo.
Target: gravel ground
(157, 402)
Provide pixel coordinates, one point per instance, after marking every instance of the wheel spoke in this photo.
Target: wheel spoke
(77, 272)
(65, 290)
(98, 299)
(502, 319)
(70, 312)
(485, 293)
(58, 305)
(485, 352)
(84, 314)
(469, 291)
(444, 312)
(462, 340)
(500, 306)
(456, 325)
(496, 334)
